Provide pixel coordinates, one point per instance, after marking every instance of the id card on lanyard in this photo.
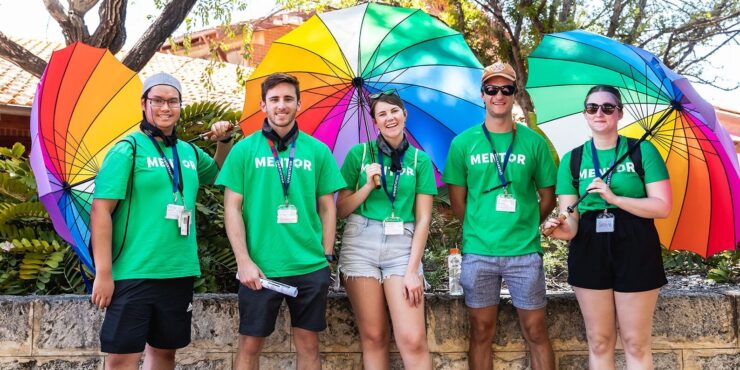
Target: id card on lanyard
(391, 225)
(604, 220)
(286, 213)
(174, 210)
(504, 202)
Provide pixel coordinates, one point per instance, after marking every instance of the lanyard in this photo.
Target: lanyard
(500, 168)
(173, 173)
(597, 167)
(284, 177)
(394, 191)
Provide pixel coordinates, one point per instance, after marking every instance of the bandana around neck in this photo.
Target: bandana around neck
(396, 153)
(153, 131)
(282, 142)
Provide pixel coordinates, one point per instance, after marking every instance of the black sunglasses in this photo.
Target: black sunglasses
(492, 90)
(381, 93)
(608, 109)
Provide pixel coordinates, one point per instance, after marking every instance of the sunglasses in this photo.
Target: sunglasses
(608, 109)
(492, 90)
(379, 94)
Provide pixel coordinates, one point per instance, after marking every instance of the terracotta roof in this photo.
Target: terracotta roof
(17, 87)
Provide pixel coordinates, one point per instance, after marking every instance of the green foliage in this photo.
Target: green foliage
(33, 259)
(217, 263)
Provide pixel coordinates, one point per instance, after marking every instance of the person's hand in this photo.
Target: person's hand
(557, 228)
(220, 130)
(371, 171)
(413, 289)
(249, 276)
(102, 291)
(600, 187)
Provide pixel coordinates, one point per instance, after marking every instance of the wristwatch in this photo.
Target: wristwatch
(329, 258)
(227, 140)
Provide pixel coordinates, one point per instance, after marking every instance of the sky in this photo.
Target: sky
(41, 26)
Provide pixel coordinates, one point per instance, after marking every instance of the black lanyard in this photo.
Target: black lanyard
(597, 167)
(392, 194)
(284, 178)
(500, 168)
(173, 173)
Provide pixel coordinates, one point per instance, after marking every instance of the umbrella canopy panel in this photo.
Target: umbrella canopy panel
(343, 56)
(85, 103)
(659, 103)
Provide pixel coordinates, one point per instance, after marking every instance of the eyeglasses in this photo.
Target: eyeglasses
(381, 93)
(608, 109)
(159, 102)
(492, 90)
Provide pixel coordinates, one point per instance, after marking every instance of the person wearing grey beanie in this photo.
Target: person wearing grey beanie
(143, 231)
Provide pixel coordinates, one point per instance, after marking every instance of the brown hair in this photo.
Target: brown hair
(605, 88)
(278, 78)
(392, 99)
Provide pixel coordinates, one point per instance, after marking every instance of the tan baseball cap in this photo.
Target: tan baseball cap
(498, 69)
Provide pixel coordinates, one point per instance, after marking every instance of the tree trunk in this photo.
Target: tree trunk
(172, 16)
(18, 55)
(111, 31)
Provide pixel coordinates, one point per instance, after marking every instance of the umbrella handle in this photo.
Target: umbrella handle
(376, 180)
(549, 231)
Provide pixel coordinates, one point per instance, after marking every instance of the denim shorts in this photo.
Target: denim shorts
(367, 252)
(525, 276)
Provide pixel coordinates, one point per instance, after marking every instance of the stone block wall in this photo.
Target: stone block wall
(691, 331)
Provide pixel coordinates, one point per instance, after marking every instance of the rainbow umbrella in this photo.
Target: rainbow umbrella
(86, 102)
(341, 57)
(660, 106)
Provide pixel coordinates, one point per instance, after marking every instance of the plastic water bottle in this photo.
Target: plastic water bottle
(454, 262)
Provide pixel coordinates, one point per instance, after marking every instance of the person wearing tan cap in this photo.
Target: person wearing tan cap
(495, 173)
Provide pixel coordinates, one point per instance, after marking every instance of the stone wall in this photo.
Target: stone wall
(691, 331)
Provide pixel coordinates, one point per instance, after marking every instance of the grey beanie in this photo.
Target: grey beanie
(161, 78)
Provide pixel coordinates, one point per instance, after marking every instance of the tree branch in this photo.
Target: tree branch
(71, 22)
(636, 23)
(171, 17)
(111, 32)
(20, 56)
(614, 20)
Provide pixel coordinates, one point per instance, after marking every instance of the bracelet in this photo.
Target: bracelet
(329, 257)
(227, 140)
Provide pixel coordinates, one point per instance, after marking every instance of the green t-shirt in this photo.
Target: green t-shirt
(282, 249)
(153, 248)
(624, 181)
(417, 177)
(470, 163)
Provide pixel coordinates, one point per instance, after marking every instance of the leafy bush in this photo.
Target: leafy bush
(33, 258)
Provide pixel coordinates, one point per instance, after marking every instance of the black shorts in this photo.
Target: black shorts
(258, 309)
(154, 311)
(626, 260)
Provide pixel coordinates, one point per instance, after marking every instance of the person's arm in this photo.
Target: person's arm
(348, 200)
(249, 272)
(657, 204)
(413, 285)
(547, 201)
(101, 237)
(566, 226)
(458, 199)
(328, 216)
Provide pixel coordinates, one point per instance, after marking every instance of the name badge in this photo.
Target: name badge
(186, 217)
(505, 203)
(393, 226)
(605, 223)
(287, 214)
(174, 211)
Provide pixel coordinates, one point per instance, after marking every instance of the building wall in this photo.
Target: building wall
(14, 128)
